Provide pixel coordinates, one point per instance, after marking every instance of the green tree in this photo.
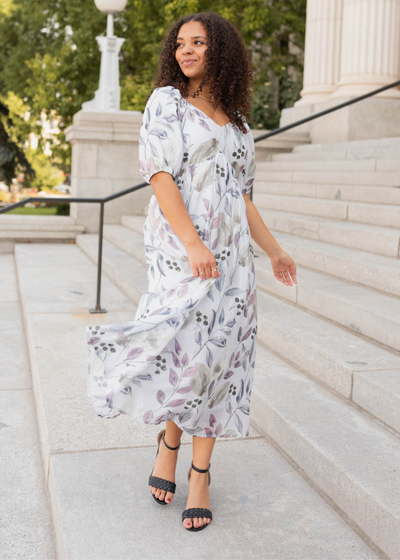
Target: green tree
(47, 176)
(12, 156)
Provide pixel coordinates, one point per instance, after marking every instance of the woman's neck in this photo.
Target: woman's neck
(194, 85)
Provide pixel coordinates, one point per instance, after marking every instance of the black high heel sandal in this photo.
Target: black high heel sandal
(161, 483)
(191, 513)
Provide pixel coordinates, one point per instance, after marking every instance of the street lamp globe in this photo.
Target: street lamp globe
(110, 6)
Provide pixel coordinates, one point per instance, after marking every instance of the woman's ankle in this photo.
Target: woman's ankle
(172, 434)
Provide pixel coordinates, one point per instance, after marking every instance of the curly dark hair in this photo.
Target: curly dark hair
(228, 69)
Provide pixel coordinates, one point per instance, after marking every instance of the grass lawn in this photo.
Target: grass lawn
(38, 211)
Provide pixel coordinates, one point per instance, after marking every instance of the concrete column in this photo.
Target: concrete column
(370, 49)
(105, 160)
(322, 50)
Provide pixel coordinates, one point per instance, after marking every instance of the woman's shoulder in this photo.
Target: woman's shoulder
(162, 100)
(164, 92)
(162, 104)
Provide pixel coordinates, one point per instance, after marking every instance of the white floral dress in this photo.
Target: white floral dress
(189, 353)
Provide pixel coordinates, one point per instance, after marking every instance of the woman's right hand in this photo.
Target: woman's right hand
(201, 260)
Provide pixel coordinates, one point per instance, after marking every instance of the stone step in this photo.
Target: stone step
(334, 357)
(374, 143)
(373, 239)
(116, 265)
(347, 456)
(340, 154)
(283, 142)
(364, 311)
(371, 165)
(375, 214)
(33, 222)
(26, 527)
(310, 348)
(134, 222)
(338, 359)
(86, 454)
(375, 271)
(250, 482)
(18, 228)
(338, 177)
(375, 195)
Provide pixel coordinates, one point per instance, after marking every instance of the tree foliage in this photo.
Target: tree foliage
(12, 157)
(47, 176)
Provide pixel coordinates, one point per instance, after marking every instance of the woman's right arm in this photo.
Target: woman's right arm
(171, 203)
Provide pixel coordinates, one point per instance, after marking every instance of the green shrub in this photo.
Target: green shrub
(62, 209)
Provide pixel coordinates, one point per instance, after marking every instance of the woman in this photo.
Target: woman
(188, 357)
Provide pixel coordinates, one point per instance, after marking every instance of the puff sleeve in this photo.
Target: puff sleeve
(160, 139)
(249, 171)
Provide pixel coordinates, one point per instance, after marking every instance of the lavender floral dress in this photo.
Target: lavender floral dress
(189, 353)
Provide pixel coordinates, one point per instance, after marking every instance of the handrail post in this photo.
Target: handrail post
(98, 308)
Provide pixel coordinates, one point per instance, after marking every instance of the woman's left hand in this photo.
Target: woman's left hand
(283, 265)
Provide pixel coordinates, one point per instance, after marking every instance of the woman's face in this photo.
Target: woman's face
(191, 46)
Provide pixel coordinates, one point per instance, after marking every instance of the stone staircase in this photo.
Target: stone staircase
(96, 471)
(319, 476)
(327, 388)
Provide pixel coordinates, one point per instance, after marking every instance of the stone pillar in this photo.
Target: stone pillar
(370, 49)
(322, 50)
(105, 160)
(369, 58)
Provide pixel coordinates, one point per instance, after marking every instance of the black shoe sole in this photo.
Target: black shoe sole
(162, 502)
(196, 528)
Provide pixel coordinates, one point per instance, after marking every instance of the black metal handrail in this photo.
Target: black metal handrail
(104, 200)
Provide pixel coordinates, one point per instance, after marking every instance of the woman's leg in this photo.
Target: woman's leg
(198, 484)
(165, 463)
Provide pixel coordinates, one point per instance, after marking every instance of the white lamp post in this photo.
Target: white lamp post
(107, 97)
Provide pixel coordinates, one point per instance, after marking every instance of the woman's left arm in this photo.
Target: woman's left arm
(282, 263)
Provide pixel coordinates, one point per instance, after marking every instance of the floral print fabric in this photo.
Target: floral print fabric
(189, 353)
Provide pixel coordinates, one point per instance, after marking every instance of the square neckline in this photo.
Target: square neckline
(188, 102)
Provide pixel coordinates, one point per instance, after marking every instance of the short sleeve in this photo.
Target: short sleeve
(249, 171)
(160, 138)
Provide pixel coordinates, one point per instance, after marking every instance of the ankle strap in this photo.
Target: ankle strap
(169, 447)
(201, 470)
